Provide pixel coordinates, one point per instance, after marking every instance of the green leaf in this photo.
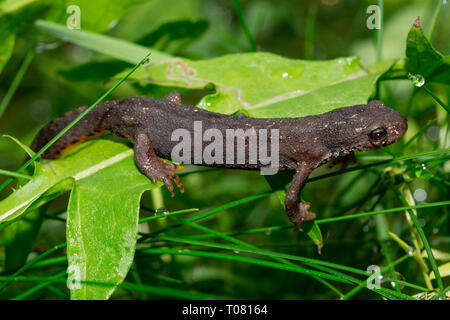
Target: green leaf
(102, 226)
(116, 48)
(265, 84)
(423, 59)
(103, 209)
(312, 229)
(20, 144)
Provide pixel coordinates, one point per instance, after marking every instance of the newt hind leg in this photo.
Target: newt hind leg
(155, 169)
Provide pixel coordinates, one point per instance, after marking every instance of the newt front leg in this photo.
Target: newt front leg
(297, 211)
(155, 169)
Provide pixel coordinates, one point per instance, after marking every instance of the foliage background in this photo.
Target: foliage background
(63, 76)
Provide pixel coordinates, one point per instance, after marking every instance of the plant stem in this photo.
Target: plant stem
(310, 30)
(391, 210)
(436, 99)
(244, 25)
(421, 235)
(249, 246)
(16, 81)
(387, 255)
(14, 174)
(418, 133)
(380, 32)
(434, 20)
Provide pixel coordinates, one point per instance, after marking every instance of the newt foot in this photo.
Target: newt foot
(302, 215)
(165, 172)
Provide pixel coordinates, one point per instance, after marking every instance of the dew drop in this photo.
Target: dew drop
(433, 133)
(420, 195)
(285, 74)
(417, 79)
(161, 211)
(400, 277)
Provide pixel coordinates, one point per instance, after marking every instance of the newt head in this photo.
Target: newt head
(363, 127)
(384, 125)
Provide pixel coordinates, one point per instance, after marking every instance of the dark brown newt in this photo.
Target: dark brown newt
(304, 143)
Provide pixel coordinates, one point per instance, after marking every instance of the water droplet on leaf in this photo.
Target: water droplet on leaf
(417, 79)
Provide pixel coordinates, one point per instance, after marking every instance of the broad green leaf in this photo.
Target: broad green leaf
(102, 226)
(254, 82)
(423, 59)
(265, 84)
(51, 178)
(103, 210)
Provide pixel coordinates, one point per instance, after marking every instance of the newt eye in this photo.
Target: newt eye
(377, 134)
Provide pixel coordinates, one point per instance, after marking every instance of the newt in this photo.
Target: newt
(304, 143)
